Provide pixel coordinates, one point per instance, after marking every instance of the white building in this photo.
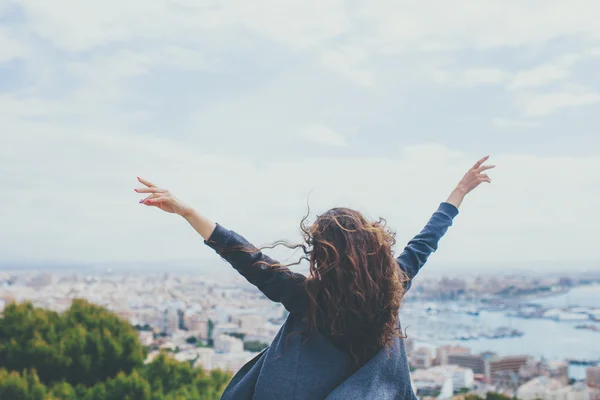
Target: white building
(197, 324)
(432, 382)
(421, 358)
(231, 362)
(545, 388)
(574, 392)
(537, 388)
(249, 322)
(146, 337)
(222, 328)
(205, 358)
(462, 378)
(228, 344)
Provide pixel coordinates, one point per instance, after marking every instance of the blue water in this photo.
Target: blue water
(585, 296)
(542, 338)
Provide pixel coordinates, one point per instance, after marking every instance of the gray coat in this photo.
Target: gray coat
(294, 368)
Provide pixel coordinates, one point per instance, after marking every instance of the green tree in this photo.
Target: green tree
(62, 391)
(86, 344)
(89, 353)
(473, 397)
(128, 387)
(16, 386)
(255, 346)
(497, 396)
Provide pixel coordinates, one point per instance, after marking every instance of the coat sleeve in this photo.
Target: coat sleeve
(418, 250)
(276, 282)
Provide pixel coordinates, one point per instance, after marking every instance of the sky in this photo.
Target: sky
(244, 109)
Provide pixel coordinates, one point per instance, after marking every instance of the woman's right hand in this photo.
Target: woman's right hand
(163, 199)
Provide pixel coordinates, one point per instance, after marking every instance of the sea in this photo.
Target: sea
(541, 338)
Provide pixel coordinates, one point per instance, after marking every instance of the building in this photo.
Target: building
(146, 338)
(462, 378)
(222, 328)
(231, 362)
(575, 392)
(558, 370)
(532, 369)
(228, 344)
(205, 358)
(505, 370)
(592, 377)
(475, 362)
(432, 382)
(170, 321)
(442, 353)
(537, 389)
(249, 322)
(594, 394)
(197, 324)
(545, 388)
(421, 358)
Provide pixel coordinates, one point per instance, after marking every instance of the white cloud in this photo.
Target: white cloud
(322, 134)
(558, 70)
(207, 97)
(81, 206)
(299, 24)
(539, 76)
(543, 104)
(467, 77)
(482, 76)
(514, 123)
(471, 24)
(10, 48)
(347, 62)
(399, 25)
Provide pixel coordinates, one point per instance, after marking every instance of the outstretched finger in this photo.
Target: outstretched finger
(153, 195)
(145, 182)
(155, 199)
(480, 162)
(485, 168)
(149, 190)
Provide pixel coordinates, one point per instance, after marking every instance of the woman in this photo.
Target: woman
(342, 337)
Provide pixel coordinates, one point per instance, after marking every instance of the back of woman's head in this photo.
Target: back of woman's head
(355, 286)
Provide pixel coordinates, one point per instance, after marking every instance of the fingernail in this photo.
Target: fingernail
(141, 201)
(135, 190)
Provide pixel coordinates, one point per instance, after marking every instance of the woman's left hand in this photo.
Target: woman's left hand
(473, 178)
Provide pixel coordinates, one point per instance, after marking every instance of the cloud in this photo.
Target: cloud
(539, 76)
(482, 76)
(323, 135)
(469, 77)
(469, 24)
(558, 70)
(514, 123)
(243, 109)
(10, 48)
(81, 206)
(385, 25)
(543, 104)
(347, 62)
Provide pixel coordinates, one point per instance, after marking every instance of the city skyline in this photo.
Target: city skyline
(248, 114)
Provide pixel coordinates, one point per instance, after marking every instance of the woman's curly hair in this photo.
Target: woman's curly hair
(355, 285)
